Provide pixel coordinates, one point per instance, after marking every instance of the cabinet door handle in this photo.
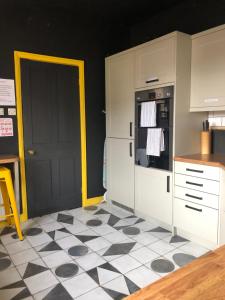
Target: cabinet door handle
(168, 184)
(152, 80)
(131, 134)
(195, 197)
(131, 154)
(193, 183)
(194, 208)
(193, 170)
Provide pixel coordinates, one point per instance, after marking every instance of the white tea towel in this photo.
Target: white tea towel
(155, 141)
(148, 114)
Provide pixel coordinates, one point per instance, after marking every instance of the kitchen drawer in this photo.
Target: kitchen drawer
(199, 184)
(196, 219)
(197, 170)
(197, 197)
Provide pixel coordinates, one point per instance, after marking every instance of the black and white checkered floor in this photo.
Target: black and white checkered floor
(101, 253)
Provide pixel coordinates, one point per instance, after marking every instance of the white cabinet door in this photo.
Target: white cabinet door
(153, 193)
(207, 72)
(120, 96)
(120, 171)
(155, 63)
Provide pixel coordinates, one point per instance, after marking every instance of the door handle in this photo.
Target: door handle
(131, 154)
(168, 184)
(131, 125)
(31, 152)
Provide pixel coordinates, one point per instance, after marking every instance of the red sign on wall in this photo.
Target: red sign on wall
(6, 127)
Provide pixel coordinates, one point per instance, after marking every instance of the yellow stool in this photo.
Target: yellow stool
(9, 200)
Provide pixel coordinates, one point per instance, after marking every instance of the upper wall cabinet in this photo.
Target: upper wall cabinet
(208, 71)
(155, 63)
(120, 96)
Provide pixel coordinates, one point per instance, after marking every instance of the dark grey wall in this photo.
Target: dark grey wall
(187, 16)
(60, 33)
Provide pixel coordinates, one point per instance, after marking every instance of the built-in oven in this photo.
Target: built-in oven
(164, 102)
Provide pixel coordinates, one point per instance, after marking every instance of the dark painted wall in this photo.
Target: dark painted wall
(188, 16)
(59, 33)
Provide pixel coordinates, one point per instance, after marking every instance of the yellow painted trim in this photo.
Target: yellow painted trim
(55, 60)
(94, 201)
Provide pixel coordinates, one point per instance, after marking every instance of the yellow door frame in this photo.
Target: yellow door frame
(55, 60)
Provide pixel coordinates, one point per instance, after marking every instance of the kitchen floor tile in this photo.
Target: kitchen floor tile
(68, 242)
(40, 281)
(125, 263)
(161, 247)
(90, 261)
(115, 237)
(24, 256)
(145, 238)
(98, 244)
(142, 276)
(56, 259)
(17, 247)
(96, 294)
(79, 285)
(144, 255)
(39, 239)
(194, 249)
(9, 276)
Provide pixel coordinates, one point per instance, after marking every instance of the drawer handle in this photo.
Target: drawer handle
(193, 183)
(193, 170)
(194, 208)
(152, 80)
(168, 184)
(195, 197)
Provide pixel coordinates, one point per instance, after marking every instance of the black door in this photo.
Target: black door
(51, 120)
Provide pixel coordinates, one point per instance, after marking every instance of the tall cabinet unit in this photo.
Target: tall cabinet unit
(120, 128)
(165, 61)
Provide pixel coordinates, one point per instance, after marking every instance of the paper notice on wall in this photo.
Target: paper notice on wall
(7, 92)
(6, 127)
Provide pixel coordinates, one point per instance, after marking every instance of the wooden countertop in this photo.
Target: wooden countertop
(203, 279)
(5, 158)
(215, 160)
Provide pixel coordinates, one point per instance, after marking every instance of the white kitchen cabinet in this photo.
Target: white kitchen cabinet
(120, 171)
(155, 63)
(207, 70)
(120, 96)
(153, 194)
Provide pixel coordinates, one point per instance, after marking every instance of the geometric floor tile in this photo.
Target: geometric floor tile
(162, 265)
(125, 263)
(161, 247)
(103, 273)
(94, 222)
(119, 249)
(32, 268)
(4, 263)
(68, 219)
(16, 291)
(59, 234)
(79, 285)
(99, 253)
(96, 294)
(79, 250)
(9, 276)
(181, 259)
(131, 230)
(56, 259)
(144, 255)
(40, 281)
(142, 276)
(57, 292)
(66, 270)
(90, 261)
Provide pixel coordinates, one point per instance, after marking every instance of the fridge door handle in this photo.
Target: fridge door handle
(131, 152)
(131, 127)
(168, 184)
